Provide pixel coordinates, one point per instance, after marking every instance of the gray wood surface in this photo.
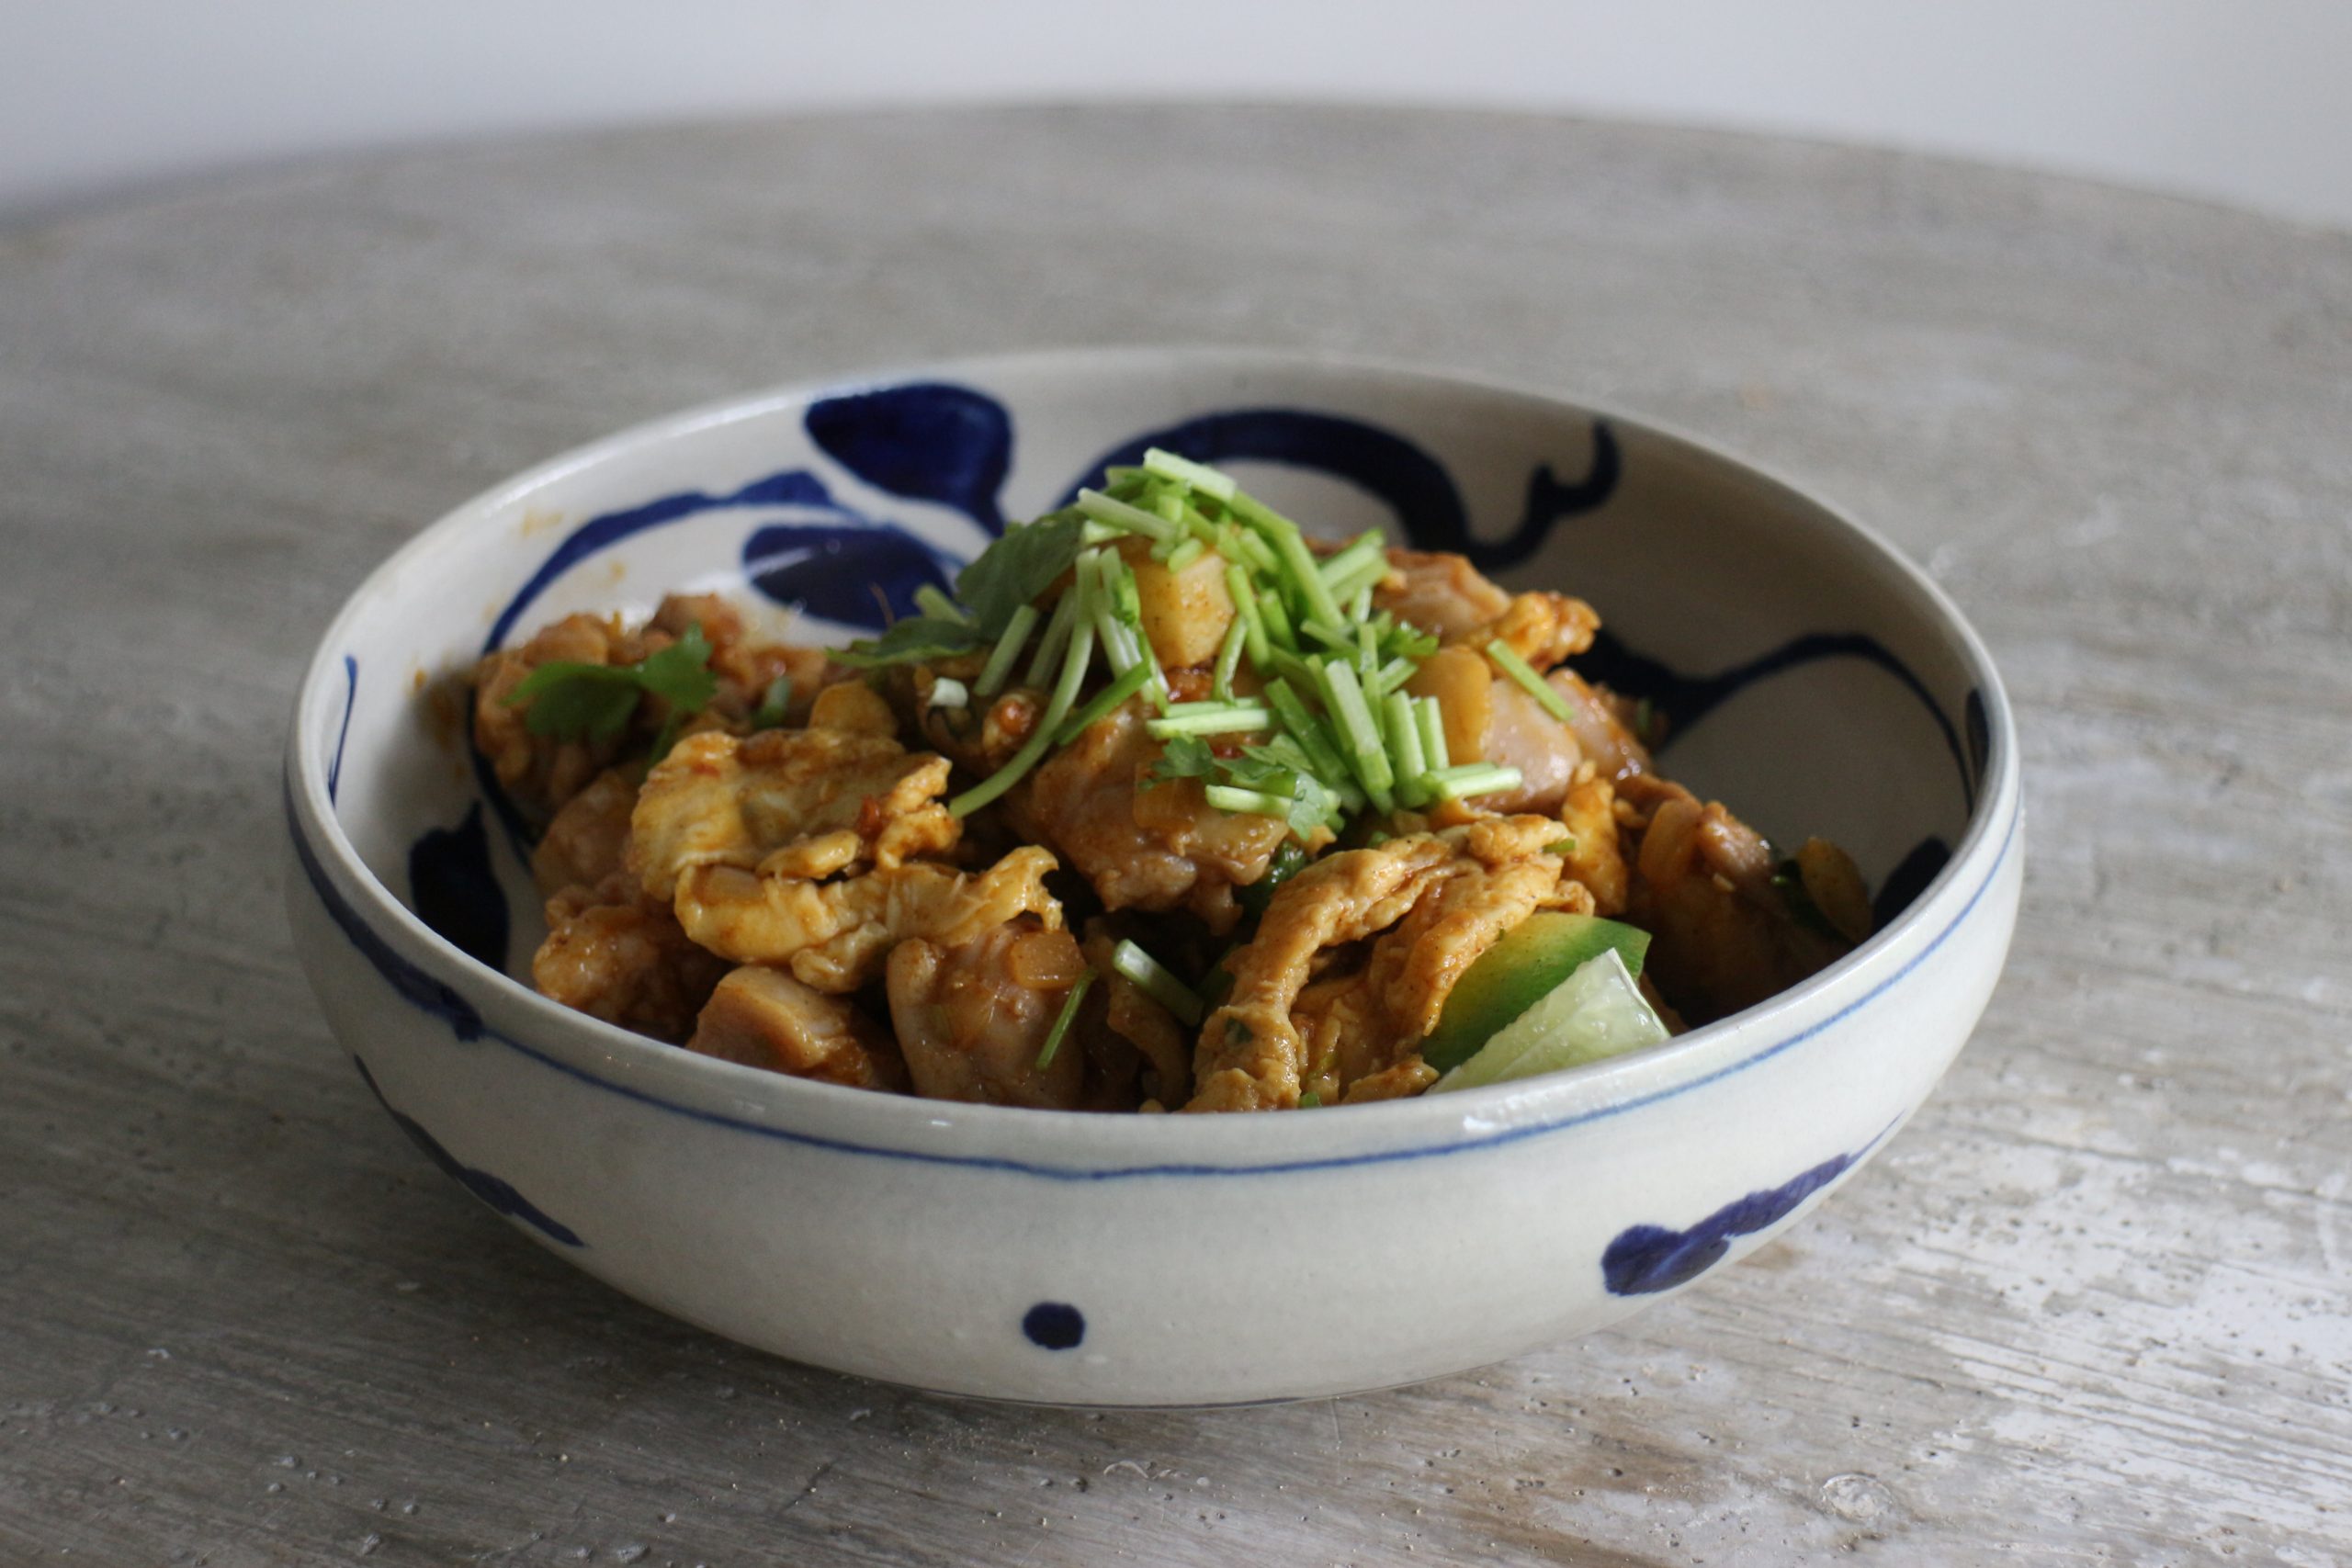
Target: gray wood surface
(2091, 1306)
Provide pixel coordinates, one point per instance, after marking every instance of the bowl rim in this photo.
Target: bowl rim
(1092, 1145)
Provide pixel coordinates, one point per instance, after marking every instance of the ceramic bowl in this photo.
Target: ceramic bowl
(1814, 680)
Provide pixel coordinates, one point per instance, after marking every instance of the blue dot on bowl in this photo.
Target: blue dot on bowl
(1056, 1325)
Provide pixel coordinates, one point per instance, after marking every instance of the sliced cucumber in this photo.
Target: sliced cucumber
(1530, 962)
(1598, 1012)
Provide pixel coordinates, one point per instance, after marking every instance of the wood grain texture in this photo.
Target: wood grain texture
(2091, 1305)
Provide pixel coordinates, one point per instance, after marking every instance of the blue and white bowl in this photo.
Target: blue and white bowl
(1816, 681)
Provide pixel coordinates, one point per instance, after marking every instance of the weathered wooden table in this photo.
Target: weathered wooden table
(2092, 1304)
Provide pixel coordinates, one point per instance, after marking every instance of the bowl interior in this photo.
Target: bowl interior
(1809, 680)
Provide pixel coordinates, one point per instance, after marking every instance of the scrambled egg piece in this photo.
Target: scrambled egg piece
(1434, 900)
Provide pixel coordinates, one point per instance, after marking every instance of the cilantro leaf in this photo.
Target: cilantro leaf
(571, 701)
(1017, 568)
(910, 641)
(1184, 757)
(679, 674)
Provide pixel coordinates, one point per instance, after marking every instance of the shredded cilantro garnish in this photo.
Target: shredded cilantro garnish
(1064, 1019)
(1334, 730)
(773, 703)
(1508, 661)
(1018, 567)
(1288, 861)
(1158, 983)
(571, 701)
(911, 640)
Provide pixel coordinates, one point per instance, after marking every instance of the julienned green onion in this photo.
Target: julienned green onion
(1158, 983)
(1228, 658)
(1064, 1019)
(1120, 514)
(1404, 744)
(1056, 637)
(1331, 637)
(1253, 624)
(994, 673)
(931, 601)
(1432, 722)
(1344, 697)
(1519, 670)
(949, 692)
(1248, 802)
(1296, 561)
(1473, 779)
(1210, 718)
(1312, 736)
(1340, 569)
(1334, 731)
(773, 703)
(1249, 546)
(1057, 706)
(1207, 481)
(1278, 626)
(1103, 701)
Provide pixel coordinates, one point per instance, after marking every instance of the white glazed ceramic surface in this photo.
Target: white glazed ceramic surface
(1825, 686)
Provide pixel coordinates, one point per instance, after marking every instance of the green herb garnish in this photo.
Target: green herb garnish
(1064, 1019)
(773, 703)
(1508, 661)
(1288, 861)
(911, 640)
(1158, 983)
(1018, 567)
(571, 701)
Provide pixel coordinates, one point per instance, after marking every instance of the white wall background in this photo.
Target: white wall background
(2249, 101)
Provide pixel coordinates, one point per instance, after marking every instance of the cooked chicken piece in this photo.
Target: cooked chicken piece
(1491, 719)
(1598, 719)
(837, 935)
(1143, 846)
(1724, 937)
(586, 841)
(763, 1018)
(745, 668)
(1441, 594)
(797, 803)
(853, 707)
(538, 771)
(614, 955)
(541, 773)
(1448, 894)
(973, 1016)
(1444, 594)
(1185, 613)
(979, 739)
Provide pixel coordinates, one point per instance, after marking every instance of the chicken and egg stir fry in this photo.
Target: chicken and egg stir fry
(1169, 808)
